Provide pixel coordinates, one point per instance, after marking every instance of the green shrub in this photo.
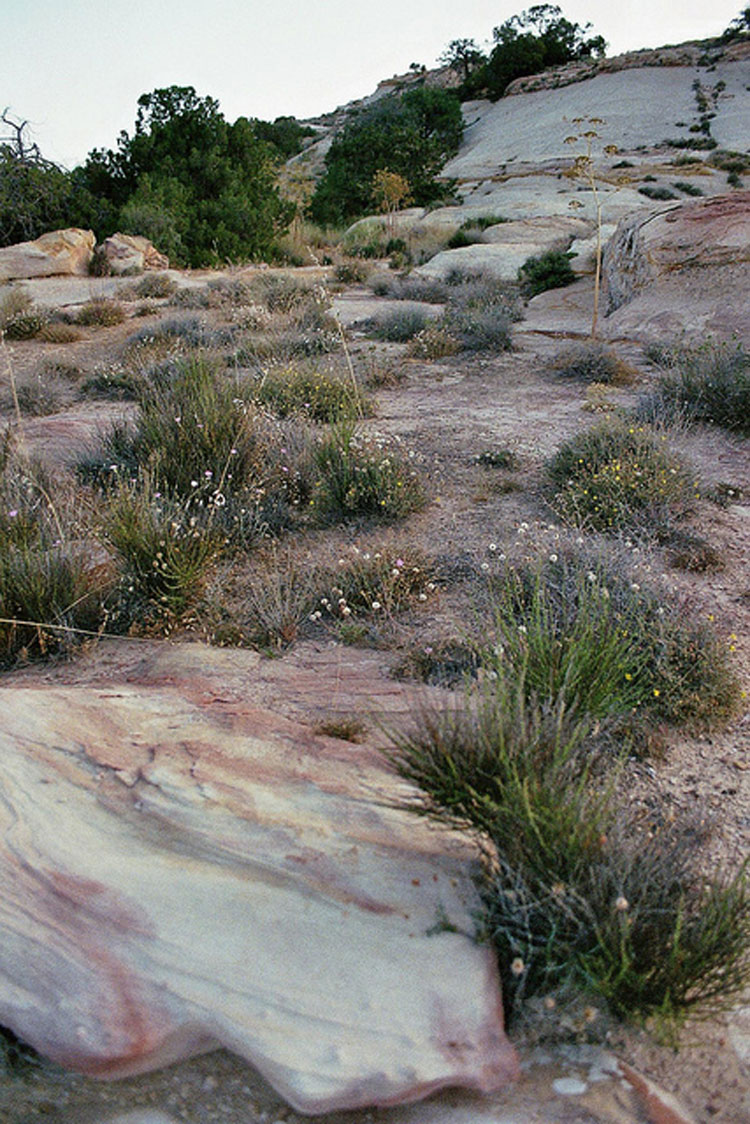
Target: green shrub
(688, 188)
(710, 383)
(578, 893)
(658, 192)
(363, 477)
(551, 270)
(619, 476)
(480, 327)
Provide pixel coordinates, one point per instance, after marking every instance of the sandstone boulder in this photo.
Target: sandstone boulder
(703, 233)
(180, 868)
(59, 252)
(130, 253)
(682, 270)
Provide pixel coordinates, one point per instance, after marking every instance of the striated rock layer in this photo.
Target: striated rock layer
(181, 871)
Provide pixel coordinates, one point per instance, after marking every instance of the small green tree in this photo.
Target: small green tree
(463, 56)
(390, 192)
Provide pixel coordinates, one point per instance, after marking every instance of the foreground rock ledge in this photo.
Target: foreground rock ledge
(181, 873)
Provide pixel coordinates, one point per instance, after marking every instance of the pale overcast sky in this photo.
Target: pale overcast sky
(75, 68)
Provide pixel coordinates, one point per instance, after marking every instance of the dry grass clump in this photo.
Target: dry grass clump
(100, 313)
(710, 383)
(307, 390)
(57, 331)
(592, 362)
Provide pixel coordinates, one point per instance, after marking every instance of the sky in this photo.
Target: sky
(75, 68)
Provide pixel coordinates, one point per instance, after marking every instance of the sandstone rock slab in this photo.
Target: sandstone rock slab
(179, 870)
(130, 253)
(59, 252)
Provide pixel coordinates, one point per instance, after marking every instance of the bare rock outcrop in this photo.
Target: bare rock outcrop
(130, 253)
(505, 247)
(59, 252)
(684, 268)
(180, 869)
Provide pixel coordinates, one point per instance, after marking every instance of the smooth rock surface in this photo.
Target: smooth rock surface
(59, 252)
(180, 870)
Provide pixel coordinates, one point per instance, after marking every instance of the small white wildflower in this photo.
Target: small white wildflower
(591, 576)
(492, 547)
(622, 904)
(517, 966)
(485, 566)
(346, 611)
(422, 597)
(553, 558)
(376, 605)
(522, 629)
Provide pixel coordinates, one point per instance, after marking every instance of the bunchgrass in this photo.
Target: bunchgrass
(319, 395)
(584, 630)
(577, 892)
(100, 313)
(165, 548)
(363, 477)
(51, 592)
(710, 383)
(592, 362)
(401, 324)
(620, 476)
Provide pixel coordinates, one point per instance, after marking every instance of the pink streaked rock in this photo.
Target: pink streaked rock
(179, 870)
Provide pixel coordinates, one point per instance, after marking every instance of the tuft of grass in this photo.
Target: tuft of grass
(278, 600)
(362, 476)
(592, 362)
(498, 458)
(100, 313)
(318, 395)
(582, 630)
(345, 727)
(401, 325)
(56, 331)
(710, 383)
(551, 270)
(433, 342)
(156, 285)
(49, 585)
(577, 892)
(619, 476)
(166, 549)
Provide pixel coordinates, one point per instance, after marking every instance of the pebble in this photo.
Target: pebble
(569, 1086)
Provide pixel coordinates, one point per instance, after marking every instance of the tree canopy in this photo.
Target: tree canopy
(525, 44)
(202, 189)
(411, 134)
